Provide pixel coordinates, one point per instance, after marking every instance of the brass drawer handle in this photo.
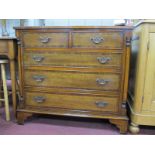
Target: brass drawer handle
(103, 60)
(44, 39)
(97, 39)
(39, 78)
(38, 58)
(101, 104)
(102, 81)
(39, 99)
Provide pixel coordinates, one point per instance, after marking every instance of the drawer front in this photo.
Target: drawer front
(113, 40)
(45, 40)
(72, 59)
(77, 102)
(100, 81)
(3, 46)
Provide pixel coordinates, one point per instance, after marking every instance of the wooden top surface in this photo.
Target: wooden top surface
(73, 27)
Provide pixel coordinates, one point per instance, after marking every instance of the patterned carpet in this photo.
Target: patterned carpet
(52, 125)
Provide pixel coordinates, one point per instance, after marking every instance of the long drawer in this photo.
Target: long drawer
(77, 102)
(45, 40)
(72, 59)
(105, 40)
(99, 81)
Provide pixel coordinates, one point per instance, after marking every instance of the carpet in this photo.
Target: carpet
(57, 125)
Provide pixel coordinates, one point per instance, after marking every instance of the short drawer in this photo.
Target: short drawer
(98, 81)
(3, 46)
(45, 40)
(72, 59)
(77, 102)
(106, 40)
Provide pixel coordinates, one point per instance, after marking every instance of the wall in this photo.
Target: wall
(56, 22)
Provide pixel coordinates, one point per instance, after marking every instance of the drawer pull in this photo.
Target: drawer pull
(103, 60)
(38, 58)
(101, 104)
(39, 99)
(102, 81)
(39, 78)
(44, 39)
(97, 39)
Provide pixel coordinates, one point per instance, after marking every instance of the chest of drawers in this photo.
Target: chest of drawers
(74, 71)
(141, 94)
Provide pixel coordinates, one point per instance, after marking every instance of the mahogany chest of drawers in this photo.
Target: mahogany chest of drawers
(74, 71)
